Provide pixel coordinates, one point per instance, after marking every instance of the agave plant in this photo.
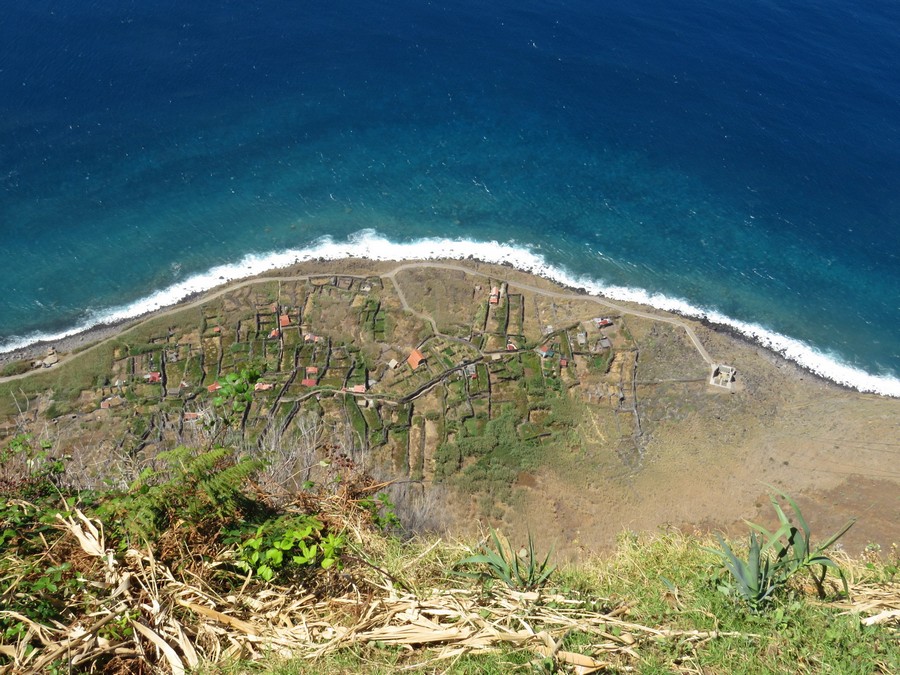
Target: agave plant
(796, 553)
(779, 555)
(521, 571)
(754, 579)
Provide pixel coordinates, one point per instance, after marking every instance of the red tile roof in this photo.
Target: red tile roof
(415, 359)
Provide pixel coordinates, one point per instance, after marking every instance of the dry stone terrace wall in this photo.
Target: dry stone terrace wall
(341, 348)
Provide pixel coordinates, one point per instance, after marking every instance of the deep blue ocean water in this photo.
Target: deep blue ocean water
(735, 159)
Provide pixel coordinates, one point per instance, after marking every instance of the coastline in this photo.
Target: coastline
(329, 256)
(770, 425)
(90, 336)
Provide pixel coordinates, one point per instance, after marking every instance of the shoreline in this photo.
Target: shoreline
(68, 345)
(87, 338)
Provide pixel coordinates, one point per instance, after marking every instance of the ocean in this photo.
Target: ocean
(733, 160)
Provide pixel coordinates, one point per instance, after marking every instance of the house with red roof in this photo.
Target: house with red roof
(415, 359)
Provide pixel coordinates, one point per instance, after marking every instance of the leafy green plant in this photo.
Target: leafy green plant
(288, 546)
(521, 571)
(382, 510)
(236, 388)
(778, 556)
(31, 585)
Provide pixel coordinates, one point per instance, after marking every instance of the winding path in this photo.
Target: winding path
(553, 294)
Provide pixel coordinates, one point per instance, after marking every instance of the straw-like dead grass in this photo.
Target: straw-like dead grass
(147, 617)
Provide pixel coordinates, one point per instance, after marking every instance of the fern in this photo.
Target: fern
(190, 485)
(223, 488)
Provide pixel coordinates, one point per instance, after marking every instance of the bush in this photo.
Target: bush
(15, 368)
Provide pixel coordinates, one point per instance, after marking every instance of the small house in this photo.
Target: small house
(312, 370)
(393, 364)
(308, 382)
(275, 334)
(263, 386)
(545, 351)
(603, 322)
(495, 295)
(215, 386)
(358, 389)
(284, 321)
(111, 402)
(415, 359)
(563, 363)
(153, 378)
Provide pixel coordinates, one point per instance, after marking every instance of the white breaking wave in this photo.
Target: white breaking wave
(369, 244)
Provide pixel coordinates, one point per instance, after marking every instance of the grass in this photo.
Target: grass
(670, 617)
(15, 368)
(66, 380)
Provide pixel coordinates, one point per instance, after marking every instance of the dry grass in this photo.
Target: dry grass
(148, 617)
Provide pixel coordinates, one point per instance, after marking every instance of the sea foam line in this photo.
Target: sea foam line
(370, 244)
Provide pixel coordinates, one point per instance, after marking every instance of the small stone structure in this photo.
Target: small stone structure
(723, 376)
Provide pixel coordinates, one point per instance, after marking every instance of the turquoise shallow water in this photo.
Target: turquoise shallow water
(736, 162)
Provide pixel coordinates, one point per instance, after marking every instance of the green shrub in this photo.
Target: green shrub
(15, 368)
(288, 546)
(190, 486)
